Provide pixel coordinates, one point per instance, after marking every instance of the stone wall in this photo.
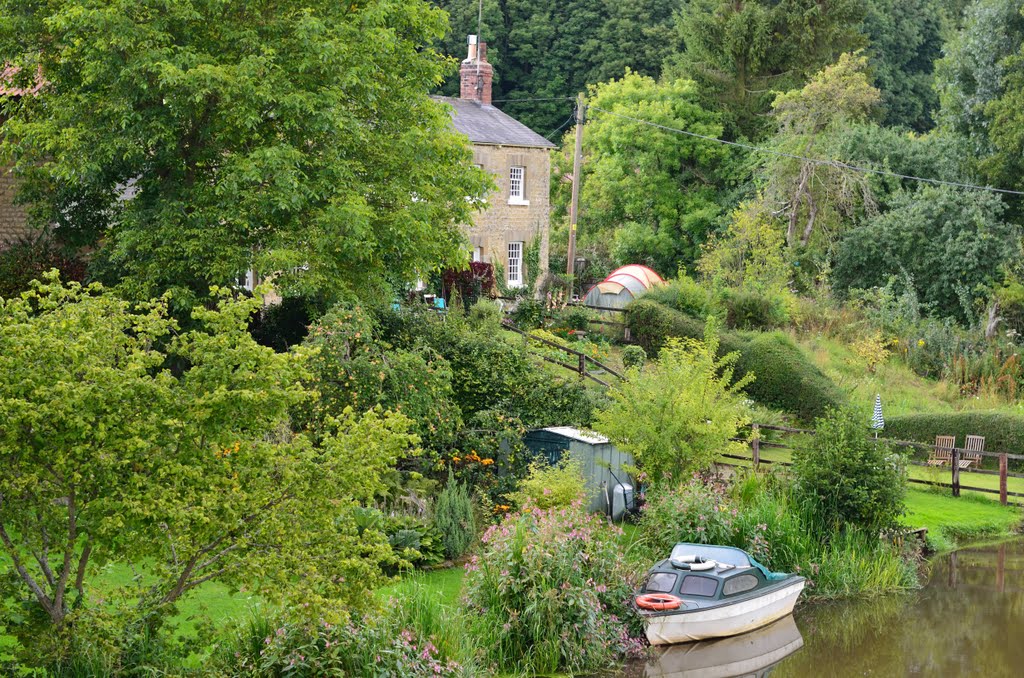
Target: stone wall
(501, 223)
(12, 217)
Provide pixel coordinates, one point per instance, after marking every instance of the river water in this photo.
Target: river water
(967, 620)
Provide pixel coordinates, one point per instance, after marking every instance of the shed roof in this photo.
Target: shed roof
(575, 434)
(485, 124)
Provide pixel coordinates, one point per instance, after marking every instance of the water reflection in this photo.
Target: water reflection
(750, 654)
(965, 621)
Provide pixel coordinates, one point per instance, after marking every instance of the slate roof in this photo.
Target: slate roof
(485, 124)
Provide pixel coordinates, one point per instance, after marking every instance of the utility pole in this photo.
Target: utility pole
(577, 162)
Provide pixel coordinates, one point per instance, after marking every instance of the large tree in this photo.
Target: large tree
(905, 39)
(202, 139)
(742, 53)
(649, 194)
(122, 438)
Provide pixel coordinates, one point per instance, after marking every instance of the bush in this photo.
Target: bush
(651, 324)
(751, 310)
(1002, 432)
(679, 414)
(633, 356)
(548, 595)
(454, 518)
(547, 486)
(849, 479)
(26, 259)
(685, 295)
(785, 379)
(372, 646)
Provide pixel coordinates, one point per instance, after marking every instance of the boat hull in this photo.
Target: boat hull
(730, 619)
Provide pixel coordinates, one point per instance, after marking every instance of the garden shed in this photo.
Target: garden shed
(622, 286)
(607, 482)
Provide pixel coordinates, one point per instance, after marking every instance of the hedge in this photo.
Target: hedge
(1002, 432)
(784, 378)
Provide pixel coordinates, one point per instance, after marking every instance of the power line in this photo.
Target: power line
(817, 161)
(501, 101)
(561, 127)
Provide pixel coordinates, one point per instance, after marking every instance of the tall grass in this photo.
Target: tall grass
(758, 514)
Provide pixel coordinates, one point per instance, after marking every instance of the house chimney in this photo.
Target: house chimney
(476, 74)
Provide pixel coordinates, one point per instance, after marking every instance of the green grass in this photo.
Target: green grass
(445, 583)
(903, 391)
(953, 522)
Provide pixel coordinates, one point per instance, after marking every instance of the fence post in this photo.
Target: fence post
(755, 445)
(1002, 478)
(583, 365)
(955, 463)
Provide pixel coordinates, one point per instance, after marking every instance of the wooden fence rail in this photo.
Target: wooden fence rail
(756, 444)
(582, 359)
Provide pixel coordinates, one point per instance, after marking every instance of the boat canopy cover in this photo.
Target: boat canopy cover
(724, 554)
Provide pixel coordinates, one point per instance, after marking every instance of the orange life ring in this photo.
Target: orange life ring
(658, 601)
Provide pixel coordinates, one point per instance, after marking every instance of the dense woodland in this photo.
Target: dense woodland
(928, 88)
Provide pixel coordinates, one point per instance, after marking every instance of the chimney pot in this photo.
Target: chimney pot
(476, 74)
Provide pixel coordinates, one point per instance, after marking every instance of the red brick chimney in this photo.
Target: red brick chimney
(476, 73)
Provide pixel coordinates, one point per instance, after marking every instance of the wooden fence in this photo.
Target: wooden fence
(580, 360)
(955, 482)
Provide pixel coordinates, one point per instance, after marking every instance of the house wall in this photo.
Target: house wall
(13, 220)
(502, 223)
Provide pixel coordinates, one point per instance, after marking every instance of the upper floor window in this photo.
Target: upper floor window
(517, 186)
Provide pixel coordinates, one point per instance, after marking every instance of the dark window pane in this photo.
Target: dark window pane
(661, 582)
(695, 585)
(739, 584)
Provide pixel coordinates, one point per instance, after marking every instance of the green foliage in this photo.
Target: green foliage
(785, 379)
(971, 72)
(849, 479)
(905, 39)
(454, 518)
(920, 236)
(651, 193)
(757, 513)
(547, 486)
(740, 54)
(750, 256)
(1002, 432)
(753, 310)
(819, 198)
(206, 470)
(548, 593)
(680, 413)
(685, 295)
(295, 137)
(633, 357)
(352, 368)
(372, 646)
(27, 259)
(540, 50)
(651, 324)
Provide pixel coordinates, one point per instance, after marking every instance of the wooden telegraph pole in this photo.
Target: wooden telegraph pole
(577, 161)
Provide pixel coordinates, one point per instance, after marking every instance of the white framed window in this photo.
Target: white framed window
(478, 254)
(515, 264)
(517, 186)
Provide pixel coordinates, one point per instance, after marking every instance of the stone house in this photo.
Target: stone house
(517, 214)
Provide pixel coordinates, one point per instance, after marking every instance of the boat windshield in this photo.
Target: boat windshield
(721, 554)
